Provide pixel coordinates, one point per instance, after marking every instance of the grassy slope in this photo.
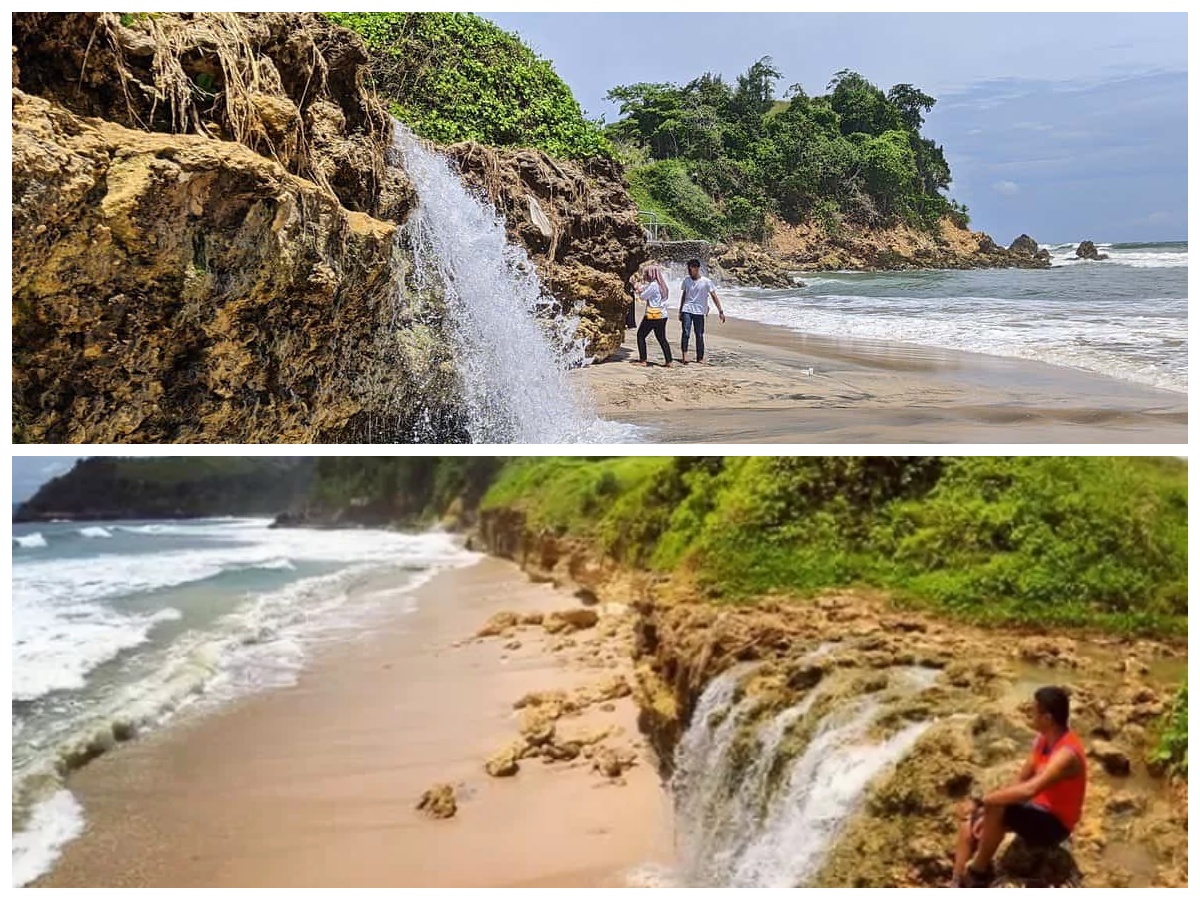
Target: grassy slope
(1080, 542)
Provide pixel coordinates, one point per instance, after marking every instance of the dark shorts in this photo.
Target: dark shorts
(1036, 826)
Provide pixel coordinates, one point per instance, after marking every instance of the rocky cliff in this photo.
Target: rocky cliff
(578, 223)
(812, 247)
(205, 237)
(844, 647)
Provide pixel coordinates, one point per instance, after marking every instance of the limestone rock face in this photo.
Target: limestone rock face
(176, 288)
(578, 224)
(289, 86)
(204, 238)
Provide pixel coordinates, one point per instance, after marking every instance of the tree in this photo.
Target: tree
(864, 108)
(912, 104)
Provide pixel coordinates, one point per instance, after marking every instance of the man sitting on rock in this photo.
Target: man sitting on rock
(1042, 807)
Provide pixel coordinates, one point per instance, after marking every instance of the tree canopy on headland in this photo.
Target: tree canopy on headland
(714, 159)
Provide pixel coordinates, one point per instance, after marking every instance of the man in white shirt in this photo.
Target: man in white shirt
(693, 309)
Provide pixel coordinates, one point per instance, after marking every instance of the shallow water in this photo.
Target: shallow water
(1125, 317)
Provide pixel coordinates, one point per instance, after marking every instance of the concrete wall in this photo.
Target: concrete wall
(679, 251)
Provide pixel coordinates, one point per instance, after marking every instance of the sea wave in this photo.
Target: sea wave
(30, 541)
(56, 649)
(1123, 343)
(95, 531)
(262, 644)
(1138, 256)
(54, 823)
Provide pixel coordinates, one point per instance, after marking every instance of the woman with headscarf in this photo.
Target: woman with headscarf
(654, 293)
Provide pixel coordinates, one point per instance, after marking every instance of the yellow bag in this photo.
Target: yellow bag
(653, 313)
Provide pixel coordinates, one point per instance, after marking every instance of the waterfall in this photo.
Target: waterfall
(513, 344)
(754, 818)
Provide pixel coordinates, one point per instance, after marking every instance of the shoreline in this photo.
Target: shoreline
(316, 784)
(756, 390)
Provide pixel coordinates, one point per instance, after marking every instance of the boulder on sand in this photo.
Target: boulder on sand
(499, 624)
(567, 620)
(503, 762)
(439, 802)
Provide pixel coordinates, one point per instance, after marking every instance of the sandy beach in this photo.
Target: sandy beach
(316, 785)
(756, 388)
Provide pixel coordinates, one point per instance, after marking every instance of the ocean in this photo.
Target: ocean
(1125, 317)
(118, 627)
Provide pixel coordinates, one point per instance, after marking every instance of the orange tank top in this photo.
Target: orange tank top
(1064, 799)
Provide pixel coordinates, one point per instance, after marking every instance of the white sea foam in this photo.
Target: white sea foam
(55, 649)
(95, 531)
(55, 822)
(65, 631)
(29, 541)
(1135, 342)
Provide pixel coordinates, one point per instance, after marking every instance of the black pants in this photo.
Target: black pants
(659, 327)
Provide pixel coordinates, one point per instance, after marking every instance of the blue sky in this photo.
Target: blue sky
(1066, 126)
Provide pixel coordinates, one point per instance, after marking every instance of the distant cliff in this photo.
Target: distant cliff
(181, 487)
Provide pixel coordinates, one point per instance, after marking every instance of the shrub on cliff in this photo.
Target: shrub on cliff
(457, 77)
(1046, 541)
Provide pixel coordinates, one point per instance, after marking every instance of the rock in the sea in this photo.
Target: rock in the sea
(439, 802)
(749, 265)
(1087, 250)
(568, 620)
(1114, 760)
(1024, 245)
(498, 625)
(503, 763)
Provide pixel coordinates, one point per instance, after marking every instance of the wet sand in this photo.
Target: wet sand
(755, 388)
(315, 785)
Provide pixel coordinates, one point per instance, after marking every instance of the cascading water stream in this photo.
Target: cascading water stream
(513, 344)
(759, 819)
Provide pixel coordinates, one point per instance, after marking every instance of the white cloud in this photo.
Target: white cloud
(1007, 188)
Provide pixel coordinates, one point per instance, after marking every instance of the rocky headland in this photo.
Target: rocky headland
(842, 647)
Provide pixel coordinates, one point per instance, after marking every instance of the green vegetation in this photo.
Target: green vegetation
(714, 159)
(410, 489)
(1082, 541)
(171, 487)
(1172, 749)
(457, 77)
